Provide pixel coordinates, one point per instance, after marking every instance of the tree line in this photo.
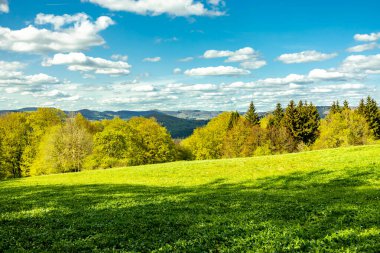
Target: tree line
(298, 127)
(49, 141)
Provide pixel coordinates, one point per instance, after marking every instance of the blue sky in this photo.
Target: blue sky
(187, 54)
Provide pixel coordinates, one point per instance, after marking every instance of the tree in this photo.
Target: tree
(64, 149)
(343, 129)
(371, 112)
(207, 142)
(278, 114)
(335, 107)
(113, 146)
(39, 123)
(302, 121)
(154, 143)
(13, 135)
(345, 105)
(252, 116)
(234, 118)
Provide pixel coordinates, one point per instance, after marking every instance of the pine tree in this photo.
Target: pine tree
(373, 116)
(278, 114)
(335, 107)
(234, 118)
(345, 105)
(290, 118)
(251, 116)
(361, 108)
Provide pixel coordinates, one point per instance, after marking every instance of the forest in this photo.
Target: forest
(48, 141)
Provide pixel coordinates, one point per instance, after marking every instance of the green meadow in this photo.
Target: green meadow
(319, 201)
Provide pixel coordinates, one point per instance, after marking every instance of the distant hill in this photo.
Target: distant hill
(178, 127)
(180, 124)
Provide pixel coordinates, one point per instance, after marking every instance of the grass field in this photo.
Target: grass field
(320, 201)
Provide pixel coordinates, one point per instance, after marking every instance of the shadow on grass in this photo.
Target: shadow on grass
(298, 212)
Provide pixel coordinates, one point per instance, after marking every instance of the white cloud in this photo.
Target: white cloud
(143, 88)
(177, 71)
(69, 33)
(361, 64)
(187, 59)
(193, 87)
(367, 37)
(11, 74)
(362, 48)
(119, 57)
(81, 62)
(247, 57)
(209, 54)
(4, 7)
(305, 56)
(216, 71)
(253, 64)
(240, 55)
(292, 78)
(183, 8)
(322, 74)
(152, 59)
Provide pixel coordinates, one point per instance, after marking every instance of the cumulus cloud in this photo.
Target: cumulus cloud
(322, 74)
(367, 37)
(11, 74)
(152, 59)
(186, 59)
(81, 62)
(305, 56)
(4, 7)
(247, 56)
(182, 8)
(69, 33)
(361, 64)
(216, 71)
(363, 47)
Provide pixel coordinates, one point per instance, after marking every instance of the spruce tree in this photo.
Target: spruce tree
(251, 116)
(346, 105)
(361, 108)
(278, 114)
(234, 118)
(372, 115)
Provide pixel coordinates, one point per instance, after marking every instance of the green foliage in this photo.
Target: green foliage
(154, 143)
(343, 129)
(251, 116)
(234, 118)
(320, 201)
(372, 115)
(207, 142)
(13, 136)
(302, 121)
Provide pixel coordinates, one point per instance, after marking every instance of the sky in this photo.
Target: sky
(187, 54)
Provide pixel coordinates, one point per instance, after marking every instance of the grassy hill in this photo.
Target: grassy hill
(320, 201)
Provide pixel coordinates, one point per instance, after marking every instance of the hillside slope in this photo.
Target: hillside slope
(326, 201)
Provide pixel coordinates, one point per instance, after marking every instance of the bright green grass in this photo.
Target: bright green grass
(321, 201)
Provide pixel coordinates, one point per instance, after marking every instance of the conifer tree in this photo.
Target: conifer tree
(335, 107)
(251, 116)
(372, 115)
(361, 108)
(234, 118)
(278, 114)
(345, 105)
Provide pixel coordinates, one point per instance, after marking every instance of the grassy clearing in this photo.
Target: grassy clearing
(320, 201)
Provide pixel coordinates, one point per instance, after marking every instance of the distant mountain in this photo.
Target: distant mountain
(180, 124)
(178, 127)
